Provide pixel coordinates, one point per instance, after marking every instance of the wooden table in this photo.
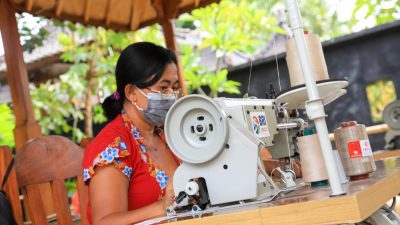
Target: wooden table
(314, 206)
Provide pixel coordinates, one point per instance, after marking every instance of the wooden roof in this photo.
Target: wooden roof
(120, 15)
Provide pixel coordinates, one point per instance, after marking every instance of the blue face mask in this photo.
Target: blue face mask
(158, 105)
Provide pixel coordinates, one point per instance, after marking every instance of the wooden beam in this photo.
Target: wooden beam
(59, 7)
(375, 129)
(166, 11)
(137, 13)
(386, 154)
(29, 5)
(172, 8)
(169, 36)
(86, 16)
(26, 125)
(109, 12)
(159, 8)
(106, 20)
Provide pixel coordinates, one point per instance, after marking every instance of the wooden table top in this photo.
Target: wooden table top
(313, 205)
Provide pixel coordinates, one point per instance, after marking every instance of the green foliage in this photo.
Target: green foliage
(197, 77)
(75, 96)
(379, 99)
(375, 12)
(54, 106)
(219, 83)
(231, 25)
(32, 31)
(70, 185)
(321, 20)
(234, 26)
(7, 122)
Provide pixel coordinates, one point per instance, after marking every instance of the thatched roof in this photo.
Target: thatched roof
(119, 15)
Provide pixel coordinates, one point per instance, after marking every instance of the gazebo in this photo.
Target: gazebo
(119, 15)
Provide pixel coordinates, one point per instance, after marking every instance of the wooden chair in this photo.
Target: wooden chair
(11, 187)
(50, 159)
(85, 142)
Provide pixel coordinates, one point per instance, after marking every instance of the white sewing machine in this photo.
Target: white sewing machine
(219, 141)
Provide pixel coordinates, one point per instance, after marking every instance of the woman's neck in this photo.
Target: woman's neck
(137, 117)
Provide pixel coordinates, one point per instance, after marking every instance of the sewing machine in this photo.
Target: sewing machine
(219, 141)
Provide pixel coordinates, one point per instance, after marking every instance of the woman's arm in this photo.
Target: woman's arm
(109, 199)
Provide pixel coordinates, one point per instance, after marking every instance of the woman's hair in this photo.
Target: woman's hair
(141, 64)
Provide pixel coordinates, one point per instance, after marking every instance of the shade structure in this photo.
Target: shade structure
(121, 15)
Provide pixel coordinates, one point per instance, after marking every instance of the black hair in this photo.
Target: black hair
(141, 64)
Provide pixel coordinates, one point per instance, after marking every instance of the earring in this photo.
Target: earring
(134, 103)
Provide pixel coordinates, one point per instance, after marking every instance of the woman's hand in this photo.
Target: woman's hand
(271, 164)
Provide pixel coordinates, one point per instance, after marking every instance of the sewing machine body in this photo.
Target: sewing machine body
(231, 170)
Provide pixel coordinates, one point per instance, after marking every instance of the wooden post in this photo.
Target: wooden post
(166, 11)
(26, 126)
(169, 36)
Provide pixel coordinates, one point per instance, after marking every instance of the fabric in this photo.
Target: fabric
(6, 215)
(121, 145)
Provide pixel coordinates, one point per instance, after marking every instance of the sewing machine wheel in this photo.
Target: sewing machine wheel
(391, 115)
(196, 129)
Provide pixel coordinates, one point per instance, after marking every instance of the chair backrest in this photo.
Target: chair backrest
(85, 142)
(11, 187)
(50, 159)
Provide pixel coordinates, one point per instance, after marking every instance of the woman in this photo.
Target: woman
(128, 166)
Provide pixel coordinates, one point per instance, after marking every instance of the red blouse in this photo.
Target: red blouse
(120, 144)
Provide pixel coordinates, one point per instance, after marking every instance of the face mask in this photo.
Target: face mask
(157, 107)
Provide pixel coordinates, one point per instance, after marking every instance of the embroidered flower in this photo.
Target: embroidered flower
(144, 158)
(161, 178)
(86, 174)
(123, 145)
(143, 148)
(135, 133)
(127, 171)
(109, 154)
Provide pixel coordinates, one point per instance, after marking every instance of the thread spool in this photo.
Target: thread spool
(317, 60)
(354, 150)
(311, 159)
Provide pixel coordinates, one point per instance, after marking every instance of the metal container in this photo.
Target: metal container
(355, 150)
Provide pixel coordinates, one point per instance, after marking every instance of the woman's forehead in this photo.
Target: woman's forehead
(170, 73)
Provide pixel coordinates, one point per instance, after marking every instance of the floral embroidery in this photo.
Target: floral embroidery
(127, 171)
(123, 145)
(135, 133)
(161, 178)
(143, 148)
(86, 175)
(153, 168)
(112, 154)
(109, 154)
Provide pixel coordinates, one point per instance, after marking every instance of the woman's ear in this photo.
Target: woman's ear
(130, 92)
